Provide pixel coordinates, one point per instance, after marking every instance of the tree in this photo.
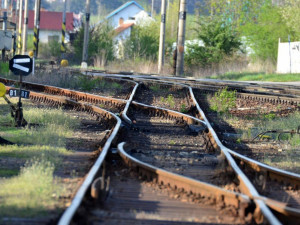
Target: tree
(101, 44)
(219, 40)
(262, 35)
(143, 41)
(290, 13)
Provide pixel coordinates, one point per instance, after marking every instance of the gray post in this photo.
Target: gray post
(289, 38)
(20, 27)
(86, 36)
(4, 2)
(152, 8)
(181, 38)
(24, 47)
(36, 30)
(4, 28)
(162, 36)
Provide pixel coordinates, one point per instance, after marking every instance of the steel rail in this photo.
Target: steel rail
(256, 198)
(76, 95)
(243, 93)
(273, 173)
(246, 185)
(124, 113)
(71, 210)
(190, 185)
(288, 89)
(169, 113)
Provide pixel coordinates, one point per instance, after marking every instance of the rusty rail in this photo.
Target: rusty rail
(192, 186)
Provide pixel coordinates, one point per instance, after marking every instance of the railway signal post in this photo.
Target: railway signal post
(181, 38)
(86, 36)
(162, 37)
(21, 65)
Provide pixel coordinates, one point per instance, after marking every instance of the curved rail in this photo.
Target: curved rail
(124, 113)
(246, 184)
(192, 186)
(69, 213)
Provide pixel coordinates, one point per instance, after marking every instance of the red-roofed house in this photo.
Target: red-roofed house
(123, 19)
(51, 25)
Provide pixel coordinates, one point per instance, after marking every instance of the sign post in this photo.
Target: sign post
(20, 65)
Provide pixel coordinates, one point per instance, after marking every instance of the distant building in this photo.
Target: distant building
(51, 25)
(123, 19)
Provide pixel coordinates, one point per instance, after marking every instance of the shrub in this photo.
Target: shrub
(143, 42)
(100, 47)
(223, 100)
(219, 40)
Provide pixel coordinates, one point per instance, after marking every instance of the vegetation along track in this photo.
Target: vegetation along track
(186, 126)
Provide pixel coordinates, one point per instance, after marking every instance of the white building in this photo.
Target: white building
(123, 19)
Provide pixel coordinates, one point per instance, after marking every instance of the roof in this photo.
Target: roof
(123, 27)
(51, 20)
(123, 7)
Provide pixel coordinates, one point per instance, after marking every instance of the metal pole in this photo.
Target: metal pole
(152, 8)
(162, 36)
(63, 32)
(289, 38)
(20, 27)
(86, 36)
(16, 12)
(15, 28)
(36, 30)
(24, 47)
(4, 28)
(181, 38)
(4, 4)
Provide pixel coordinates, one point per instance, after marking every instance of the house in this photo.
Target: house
(123, 19)
(51, 25)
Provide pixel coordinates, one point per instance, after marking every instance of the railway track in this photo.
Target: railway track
(246, 198)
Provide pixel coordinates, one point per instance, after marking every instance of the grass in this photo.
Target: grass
(33, 190)
(169, 100)
(223, 100)
(258, 77)
(46, 152)
(283, 123)
(183, 108)
(53, 128)
(155, 88)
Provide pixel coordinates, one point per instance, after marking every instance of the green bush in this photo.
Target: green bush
(262, 34)
(219, 39)
(101, 44)
(143, 42)
(223, 100)
(50, 50)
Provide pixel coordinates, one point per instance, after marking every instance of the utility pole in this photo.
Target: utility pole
(36, 30)
(86, 36)
(4, 28)
(24, 47)
(152, 8)
(15, 28)
(161, 54)
(20, 27)
(63, 32)
(181, 38)
(4, 4)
